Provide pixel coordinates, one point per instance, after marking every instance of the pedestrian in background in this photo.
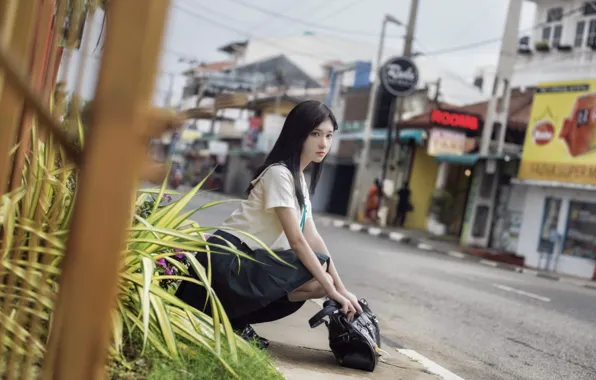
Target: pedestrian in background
(403, 205)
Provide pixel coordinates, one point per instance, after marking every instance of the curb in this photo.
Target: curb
(429, 365)
(425, 246)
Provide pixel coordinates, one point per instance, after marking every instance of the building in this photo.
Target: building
(555, 186)
(561, 47)
(438, 155)
(308, 64)
(558, 173)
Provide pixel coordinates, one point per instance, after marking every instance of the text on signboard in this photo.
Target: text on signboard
(455, 119)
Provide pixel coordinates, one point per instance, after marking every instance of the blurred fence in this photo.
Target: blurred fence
(56, 302)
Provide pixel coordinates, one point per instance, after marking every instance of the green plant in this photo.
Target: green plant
(35, 220)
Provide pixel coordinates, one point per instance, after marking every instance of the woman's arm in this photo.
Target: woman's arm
(299, 244)
(317, 243)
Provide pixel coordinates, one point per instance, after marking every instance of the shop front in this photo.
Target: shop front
(558, 169)
(438, 183)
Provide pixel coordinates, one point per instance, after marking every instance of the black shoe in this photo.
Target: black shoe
(250, 335)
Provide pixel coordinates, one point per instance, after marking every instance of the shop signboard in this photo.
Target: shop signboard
(399, 76)
(463, 121)
(444, 141)
(560, 143)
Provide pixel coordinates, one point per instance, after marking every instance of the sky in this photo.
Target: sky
(196, 28)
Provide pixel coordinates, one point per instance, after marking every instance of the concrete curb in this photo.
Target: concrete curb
(429, 365)
(426, 246)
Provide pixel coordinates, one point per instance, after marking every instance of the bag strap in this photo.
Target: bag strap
(330, 309)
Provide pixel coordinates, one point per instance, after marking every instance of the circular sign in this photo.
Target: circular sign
(543, 132)
(399, 76)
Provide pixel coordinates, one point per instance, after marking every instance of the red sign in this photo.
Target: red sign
(543, 132)
(455, 119)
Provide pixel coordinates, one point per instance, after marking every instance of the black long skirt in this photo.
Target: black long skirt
(250, 292)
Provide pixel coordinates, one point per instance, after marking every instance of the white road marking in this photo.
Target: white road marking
(429, 364)
(530, 271)
(425, 247)
(374, 231)
(396, 236)
(413, 355)
(489, 263)
(355, 227)
(459, 255)
(521, 292)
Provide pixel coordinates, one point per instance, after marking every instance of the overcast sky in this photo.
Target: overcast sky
(441, 24)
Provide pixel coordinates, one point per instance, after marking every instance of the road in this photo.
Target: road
(479, 322)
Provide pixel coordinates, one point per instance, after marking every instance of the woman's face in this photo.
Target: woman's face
(318, 143)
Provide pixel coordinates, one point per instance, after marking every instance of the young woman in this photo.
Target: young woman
(278, 213)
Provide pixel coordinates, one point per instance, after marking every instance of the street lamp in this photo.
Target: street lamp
(372, 101)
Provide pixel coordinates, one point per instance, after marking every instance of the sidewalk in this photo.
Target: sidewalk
(442, 245)
(300, 352)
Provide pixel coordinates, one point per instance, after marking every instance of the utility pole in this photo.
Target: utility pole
(170, 93)
(372, 103)
(497, 113)
(400, 101)
(437, 93)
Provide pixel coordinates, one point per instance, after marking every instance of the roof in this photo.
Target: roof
(233, 47)
(519, 111)
(213, 66)
(313, 52)
(216, 66)
(291, 73)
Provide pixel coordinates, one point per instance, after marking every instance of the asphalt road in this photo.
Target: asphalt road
(479, 322)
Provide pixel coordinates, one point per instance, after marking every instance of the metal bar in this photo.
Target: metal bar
(365, 152)
(112, 160)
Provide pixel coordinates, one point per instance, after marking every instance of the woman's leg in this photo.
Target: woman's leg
(311, 290)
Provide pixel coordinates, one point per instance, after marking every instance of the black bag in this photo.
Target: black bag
(355, 344)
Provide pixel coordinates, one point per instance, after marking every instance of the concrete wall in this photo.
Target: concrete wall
(422, 184)
(238, 176)
(324, 188)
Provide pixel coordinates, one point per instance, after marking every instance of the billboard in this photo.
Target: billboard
(560, 142)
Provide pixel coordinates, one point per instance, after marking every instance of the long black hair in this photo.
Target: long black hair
(301, 121)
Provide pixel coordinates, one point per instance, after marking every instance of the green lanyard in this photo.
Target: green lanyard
(303, 220)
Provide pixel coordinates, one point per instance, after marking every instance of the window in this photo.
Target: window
(590, 8)
(546, 34)
(557, 32)
(548, 230)
(579, 33)
(591, 41)
(554, 14)
(480, 221)
(554, 29)
(580, 239)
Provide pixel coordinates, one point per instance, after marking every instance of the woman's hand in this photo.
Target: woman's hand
(353, 300)
(346, 305)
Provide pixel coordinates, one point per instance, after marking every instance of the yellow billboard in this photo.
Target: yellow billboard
(560, 143)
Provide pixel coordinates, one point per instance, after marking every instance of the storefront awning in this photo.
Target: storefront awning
(471, 159)
(416, 135)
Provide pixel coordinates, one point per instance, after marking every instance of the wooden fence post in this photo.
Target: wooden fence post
(114, 153)
(17, 22)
